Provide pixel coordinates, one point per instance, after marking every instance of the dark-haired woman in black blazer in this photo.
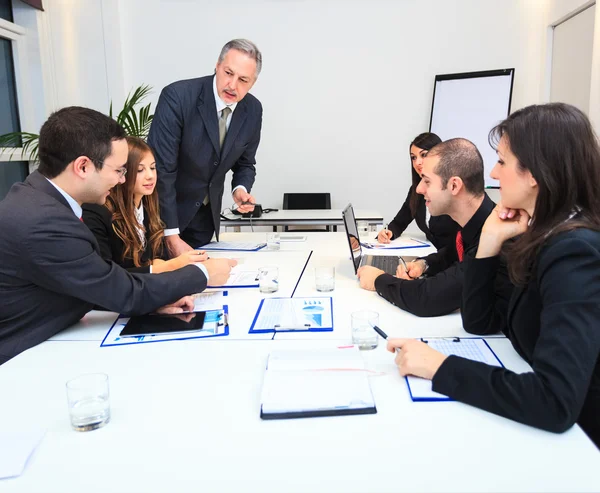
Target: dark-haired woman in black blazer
(549, 173)
(439, 230)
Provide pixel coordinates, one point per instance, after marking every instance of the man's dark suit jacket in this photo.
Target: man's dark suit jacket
(440, 292)
(441, 230)
(51, 272)
(99, 219)
(185, 139)
(553, 322)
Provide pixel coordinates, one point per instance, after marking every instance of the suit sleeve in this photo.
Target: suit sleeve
(164, 139)
(244, 170)
(60, 257)
(403, 218)
(552, 395)
(486, 294)
(428, 297)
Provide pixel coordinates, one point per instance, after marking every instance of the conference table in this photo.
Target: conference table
(301, 217)
(185, 414)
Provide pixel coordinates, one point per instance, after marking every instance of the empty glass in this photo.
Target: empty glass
(325, 279)
(88, 398)
(363, 334)
(268, 277)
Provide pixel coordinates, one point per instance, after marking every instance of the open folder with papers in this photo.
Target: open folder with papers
(476, 349)
(326, 382)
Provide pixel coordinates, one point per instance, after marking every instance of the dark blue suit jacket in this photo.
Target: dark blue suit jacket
(185, 139)
(51, 272)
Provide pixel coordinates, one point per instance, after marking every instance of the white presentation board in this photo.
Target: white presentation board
(469, 105)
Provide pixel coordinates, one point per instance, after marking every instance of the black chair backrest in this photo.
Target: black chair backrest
(307, 200)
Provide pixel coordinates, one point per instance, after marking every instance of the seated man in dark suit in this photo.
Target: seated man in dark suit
(202, 128)
(452, 183)
(51, 273)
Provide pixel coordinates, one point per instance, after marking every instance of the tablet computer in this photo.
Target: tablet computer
(163, 324)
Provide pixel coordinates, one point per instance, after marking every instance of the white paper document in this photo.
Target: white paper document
(239, 246)
(316, 383)
(396, 244)
(240, 279)
(294, 314)
(16, 447)
(211, 300)
(475, 349)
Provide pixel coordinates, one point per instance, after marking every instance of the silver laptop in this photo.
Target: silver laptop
(386, 263)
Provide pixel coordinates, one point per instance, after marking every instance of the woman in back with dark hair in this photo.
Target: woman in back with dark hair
(440, 230)
(128, 226)
(549, 173)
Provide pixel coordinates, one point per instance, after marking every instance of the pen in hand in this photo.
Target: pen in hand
(381, 333)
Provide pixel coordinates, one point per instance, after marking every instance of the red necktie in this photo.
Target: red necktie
(460, 248)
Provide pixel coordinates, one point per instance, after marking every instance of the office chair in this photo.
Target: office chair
(307, 201)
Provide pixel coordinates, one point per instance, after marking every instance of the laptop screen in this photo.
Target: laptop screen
(353, 238)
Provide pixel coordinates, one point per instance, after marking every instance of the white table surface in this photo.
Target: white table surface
(185, 415)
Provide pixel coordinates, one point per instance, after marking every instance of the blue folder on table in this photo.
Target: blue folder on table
(473, 348)
(293, 315)
(232, 246)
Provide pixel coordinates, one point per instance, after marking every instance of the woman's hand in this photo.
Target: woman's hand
(384, 236)
(414, 357)
(501, 225)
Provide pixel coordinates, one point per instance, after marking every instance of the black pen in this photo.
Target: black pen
(379, 331)
(382, 334)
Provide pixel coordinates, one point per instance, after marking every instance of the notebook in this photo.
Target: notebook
(325, 382)
(475, 348)
(386, 263)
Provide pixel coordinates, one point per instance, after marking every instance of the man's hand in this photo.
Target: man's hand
(415, 357)
(416, 268)
(185, 304)
(219, 270)
(176, 245)
(367, 276)
(244, 201)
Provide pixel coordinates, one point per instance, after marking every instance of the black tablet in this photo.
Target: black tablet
(163, 324)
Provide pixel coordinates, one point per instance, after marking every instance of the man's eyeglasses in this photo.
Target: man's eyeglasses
(120, 171)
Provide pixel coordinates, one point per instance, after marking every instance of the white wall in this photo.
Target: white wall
(346, 85)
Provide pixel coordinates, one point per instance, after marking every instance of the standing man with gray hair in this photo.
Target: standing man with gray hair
(203, 128)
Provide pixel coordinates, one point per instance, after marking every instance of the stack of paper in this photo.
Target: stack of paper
(327, 382)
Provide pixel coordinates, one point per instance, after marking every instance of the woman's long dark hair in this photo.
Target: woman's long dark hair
(120, 203)
(557, 144)
(423, 141)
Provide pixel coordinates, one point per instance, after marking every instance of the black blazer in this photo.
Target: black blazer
(441, 230)
(51, 272)
(99, 219)
(440, 291)
(554, 324)
(185, 138)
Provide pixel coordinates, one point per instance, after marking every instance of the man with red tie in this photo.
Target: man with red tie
(452, 183)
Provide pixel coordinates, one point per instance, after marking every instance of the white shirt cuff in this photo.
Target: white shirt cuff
(150, 268)
(203, 269)
(239, 186)
(171, 232)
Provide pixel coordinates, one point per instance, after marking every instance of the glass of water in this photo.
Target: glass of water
(268, 279)
(325, 279)
(363, 334)
(273, 241)
(88, 398)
